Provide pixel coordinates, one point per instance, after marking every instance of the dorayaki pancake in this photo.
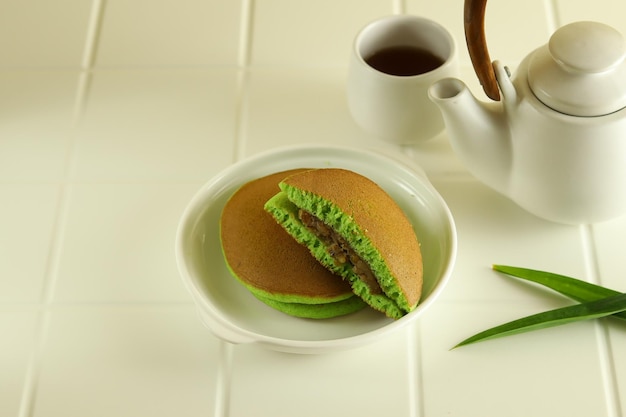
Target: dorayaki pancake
(354, 228)
(274, 267)
(317, 311)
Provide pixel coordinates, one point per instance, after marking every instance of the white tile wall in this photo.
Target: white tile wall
(312, 34)
(333, 384)
(43, 34)
(606, 11)
(36, 116)
(165, 33)
(112, 114)
(128, 361)
(27, 221)
(19, 333)
(508, 236)
(284, 107)
(533, 375)
(119, 254)
(158, 125)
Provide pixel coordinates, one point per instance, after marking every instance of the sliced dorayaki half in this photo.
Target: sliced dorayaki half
(356, 230)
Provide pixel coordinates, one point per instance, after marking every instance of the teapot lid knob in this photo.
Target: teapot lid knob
(588, 47)
(582, 70)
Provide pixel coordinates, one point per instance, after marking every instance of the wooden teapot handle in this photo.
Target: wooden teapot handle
(474, 22)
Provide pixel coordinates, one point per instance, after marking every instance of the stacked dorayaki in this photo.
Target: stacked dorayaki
(321, 243)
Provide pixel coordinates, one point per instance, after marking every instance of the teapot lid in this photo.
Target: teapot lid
(581, 71)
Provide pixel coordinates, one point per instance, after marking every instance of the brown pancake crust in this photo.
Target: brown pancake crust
(263, 255)
(377, 214)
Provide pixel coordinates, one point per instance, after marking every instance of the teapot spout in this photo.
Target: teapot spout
(478, 132)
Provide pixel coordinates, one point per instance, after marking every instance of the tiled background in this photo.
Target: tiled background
(112, 114)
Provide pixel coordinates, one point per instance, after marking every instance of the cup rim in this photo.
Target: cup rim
(389, 19)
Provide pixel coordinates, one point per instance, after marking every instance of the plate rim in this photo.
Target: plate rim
(231, 332)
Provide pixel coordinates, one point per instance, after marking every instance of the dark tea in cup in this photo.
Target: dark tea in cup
(404, 60)
(394, 60)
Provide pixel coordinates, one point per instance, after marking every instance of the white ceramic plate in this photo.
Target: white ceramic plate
(233, 314)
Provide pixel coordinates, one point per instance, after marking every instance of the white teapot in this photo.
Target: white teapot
(556, 144)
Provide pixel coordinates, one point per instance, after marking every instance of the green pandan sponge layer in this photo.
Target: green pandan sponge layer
(316, 311)
(285, 212)
(280, 298)
(346, 227)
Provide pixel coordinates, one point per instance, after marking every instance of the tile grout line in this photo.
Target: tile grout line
(93, 35)
(82, 91)
(27, 401)
(33, 372)
(224, 375)
(552, 15)
(398, 7)
(224, 380)
(605, 352)
(243, 62)
(416, 385)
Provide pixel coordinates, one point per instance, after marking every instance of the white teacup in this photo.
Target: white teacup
(393, 62)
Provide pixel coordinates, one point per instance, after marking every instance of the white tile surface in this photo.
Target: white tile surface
(118, 244)
(42, 33)
(609, 253)
(617, 344)
(36, 117)
(128, 361)
(18, 329)
(538, 373)
(607, 238)
(314, 34)
(148, 33)
(606, 11)
(27, 220)
(355, 382)
(493, 230)
(113, 114)
(294, 106)
(156, 126)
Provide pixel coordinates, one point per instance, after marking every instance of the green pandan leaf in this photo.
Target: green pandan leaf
(584, 311)
(576, 289)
